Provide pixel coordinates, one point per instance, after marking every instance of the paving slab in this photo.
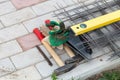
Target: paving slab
(25, 3)
(12, 32)
(3, 0)
(46, 70)
(28, 41)
(8, 7)
(1, 26)
(6, 67)
(29, 73)
(49, 78)
(64, 56)
(17, 17)
(42, 8)
(33, 23)
(9, 49)
(27, 58)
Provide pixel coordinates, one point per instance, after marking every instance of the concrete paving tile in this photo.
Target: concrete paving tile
(43, 8)
(68, 2)
(6, 66)
(3, 0)
(28, 41)
(27, 58)
(46, 70)
(49, 78)
(9, 48)
(12, 32)
(62, 3)
(33, 23)
(29, 73)
(48, 16)
(17, 17)
(1, 26)
(64, 56)
(59, 52)
(38, 22)
(25, 3)
(6, 7)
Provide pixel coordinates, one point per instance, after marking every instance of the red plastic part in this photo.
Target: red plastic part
(47, 21)
(38, 34)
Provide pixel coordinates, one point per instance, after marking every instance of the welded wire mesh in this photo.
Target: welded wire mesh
(86, 10)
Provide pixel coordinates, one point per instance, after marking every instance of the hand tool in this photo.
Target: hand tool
(41, 36)
(63, 67)
(53, 53)
(48, 47)
(92, 24)
(75, 59)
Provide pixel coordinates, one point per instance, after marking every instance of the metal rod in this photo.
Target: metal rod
(43, 54)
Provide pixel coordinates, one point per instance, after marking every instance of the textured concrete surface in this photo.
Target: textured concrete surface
(19, 58)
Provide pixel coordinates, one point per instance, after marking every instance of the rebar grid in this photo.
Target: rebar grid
(85, 10)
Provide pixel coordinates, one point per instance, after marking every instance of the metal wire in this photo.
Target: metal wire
(83, 12)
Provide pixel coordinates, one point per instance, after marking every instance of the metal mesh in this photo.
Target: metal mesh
(86, 10)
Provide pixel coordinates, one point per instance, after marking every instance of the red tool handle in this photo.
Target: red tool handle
(39, 34)
(40, 37)
(48, 47)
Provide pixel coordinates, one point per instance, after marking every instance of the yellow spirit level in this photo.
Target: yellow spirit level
(96, 23)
